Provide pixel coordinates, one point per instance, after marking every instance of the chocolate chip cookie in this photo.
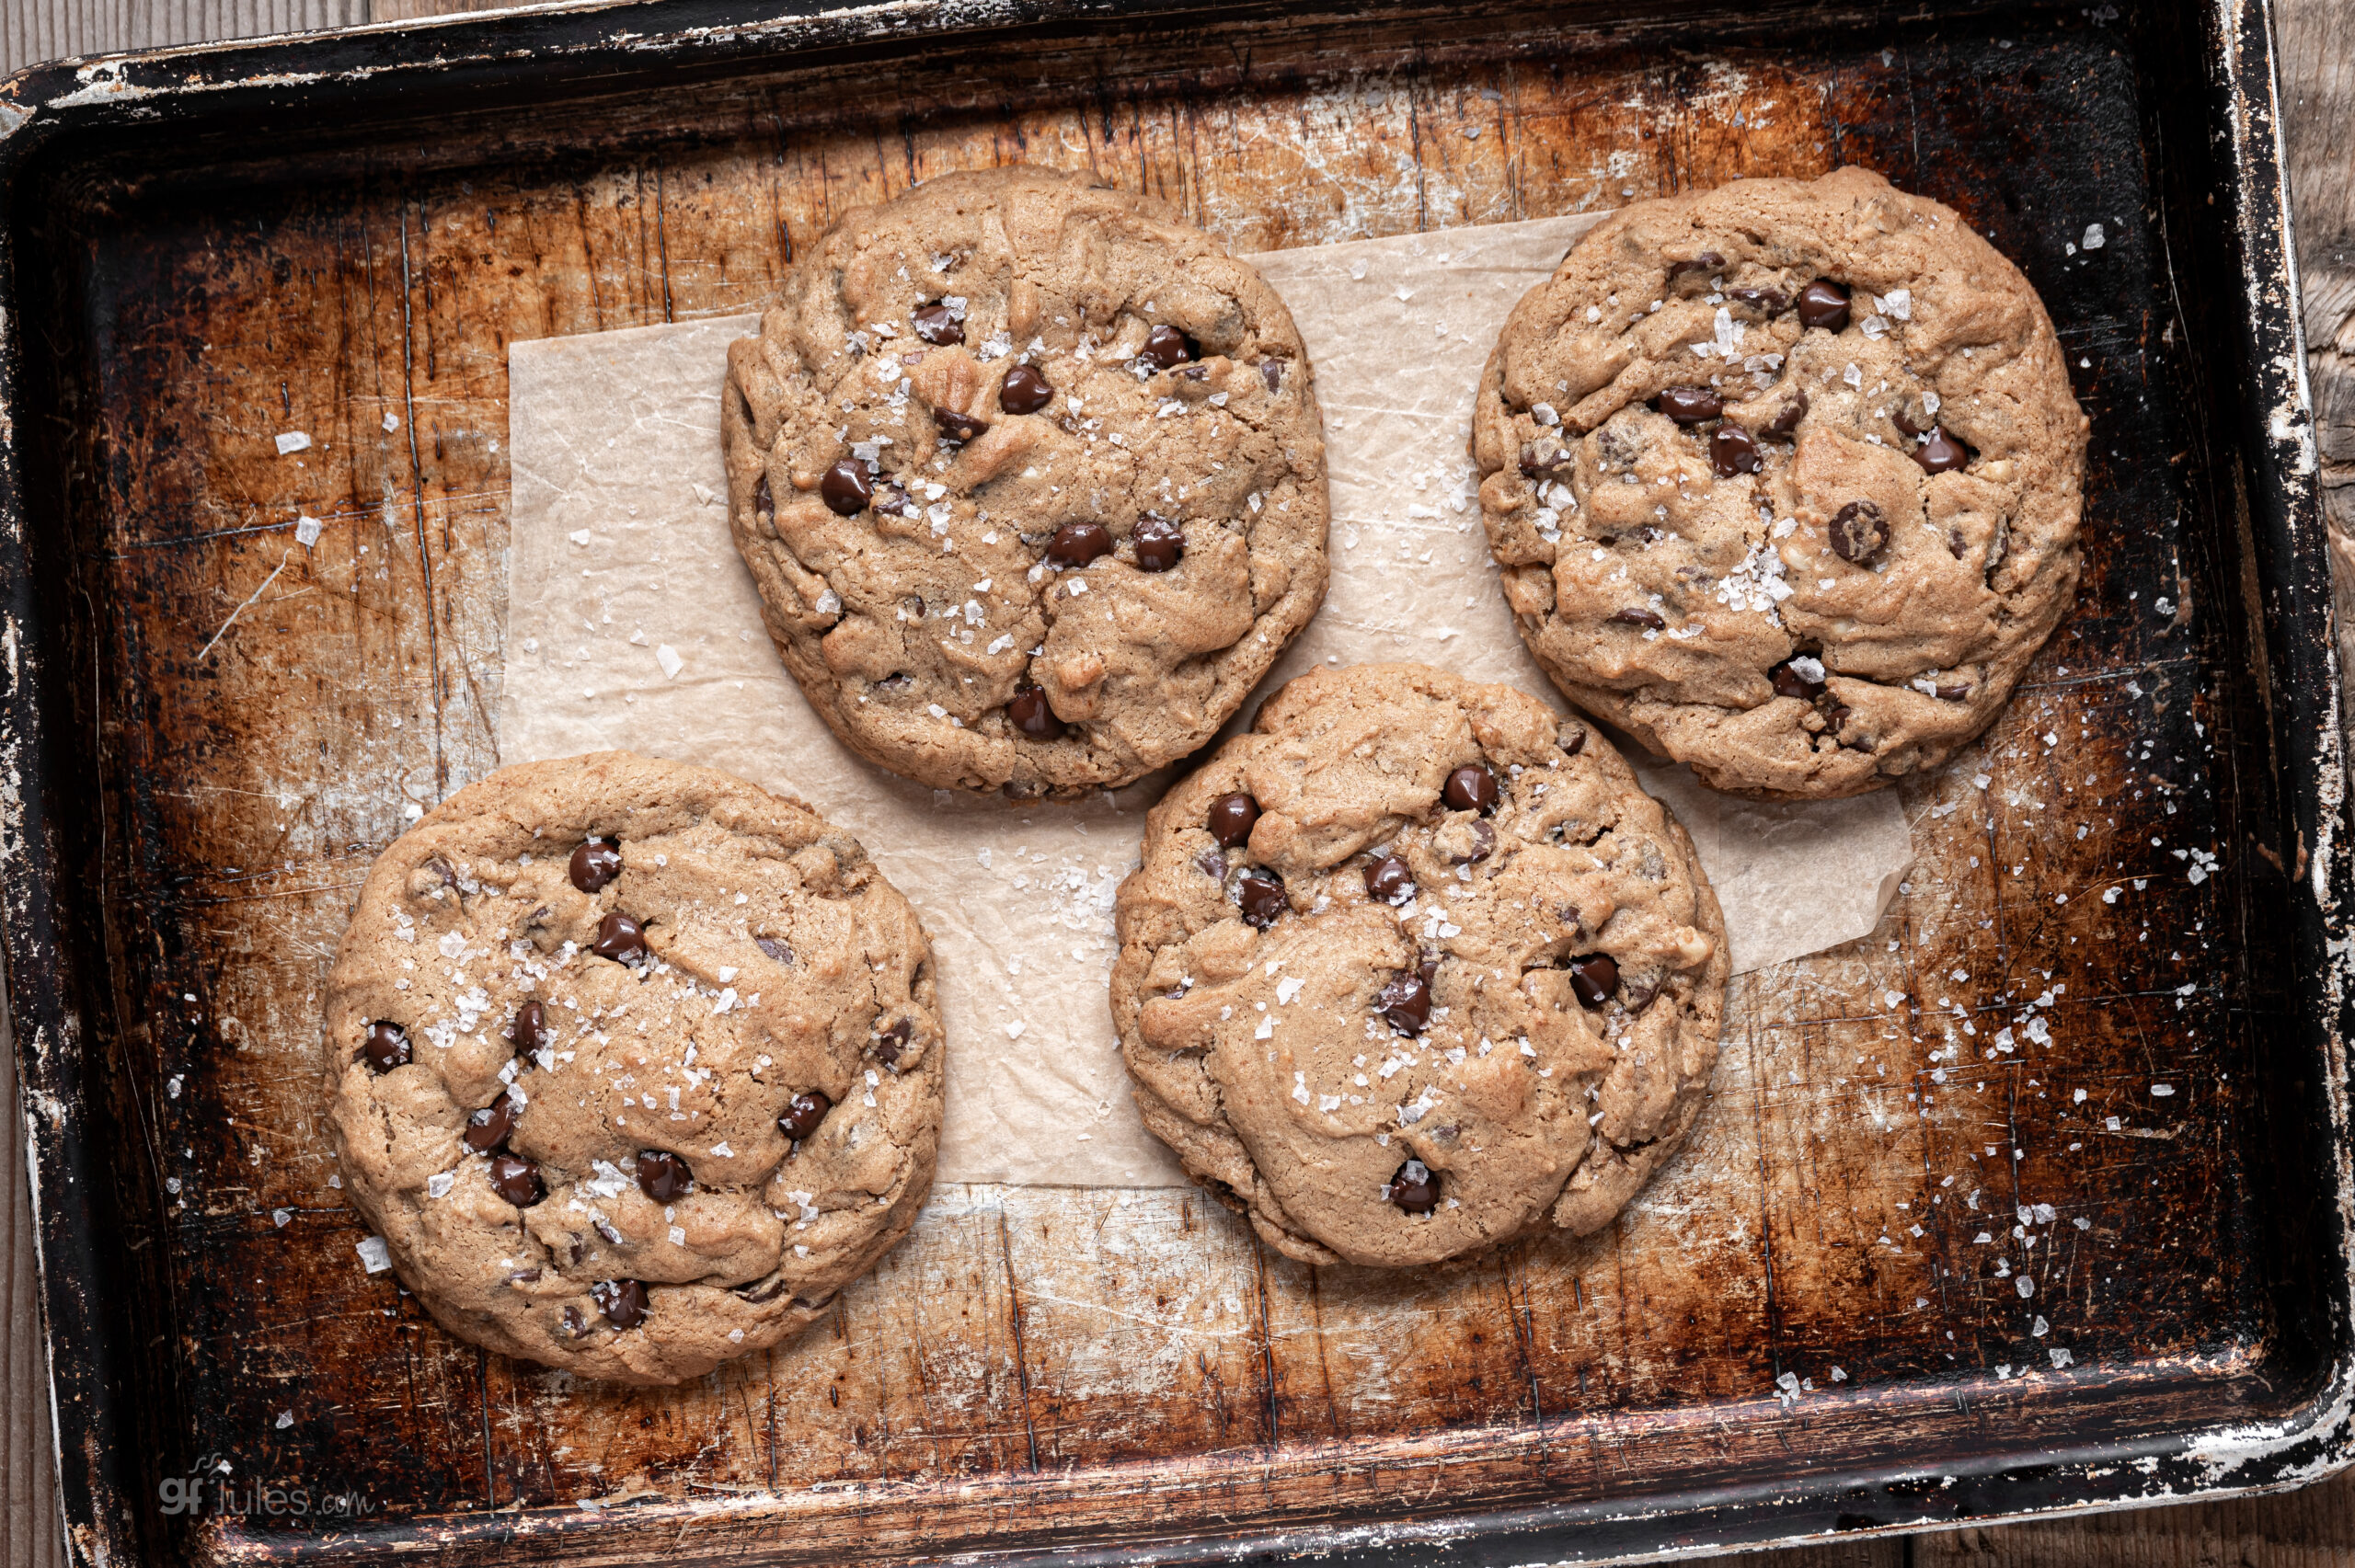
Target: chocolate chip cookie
(1031, 478)
(1785, 479)
(1415, 969)
(633, 1065)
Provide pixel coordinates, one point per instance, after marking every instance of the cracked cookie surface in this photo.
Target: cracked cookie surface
(1416, 968)
(1031, 476)
(1785, 480)
(633, 1065)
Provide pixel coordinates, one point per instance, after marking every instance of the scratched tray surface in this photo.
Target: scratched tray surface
(2012, 1176)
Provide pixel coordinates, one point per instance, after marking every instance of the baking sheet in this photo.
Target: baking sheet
(632, 623)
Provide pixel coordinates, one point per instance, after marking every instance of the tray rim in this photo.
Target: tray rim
(79, 97)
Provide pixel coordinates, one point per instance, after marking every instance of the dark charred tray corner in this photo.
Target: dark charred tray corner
(341, 233)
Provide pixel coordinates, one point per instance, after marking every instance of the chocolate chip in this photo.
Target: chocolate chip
(957, 427)
(595, 864)
(802, 1114)
(517, 1179)
(775, 949)
(528, 1031)
(1076, 544)
(1858, 532)
(1212, 864)
(619, 938)
(1954, 693)
(1032, 716)
(1573, 743)
(759, 1291)
(1789, 682)
(574, 1324)
(1168, 346)
(1023, 391)
(763, 504)
(1405, 1002)
(1593, 978)
(1691, 405)
(1637, 615)
(1260, 894)
(1707, 261)
(846, 488)
(1415, 1188)
(1765, 302)
(889, 1042)
(1471, 788)
(1390, 880)
(937, 324)
(1941, 453)
(1903, 420)
(1272, 372)
(386, 1046)
(487, 1128)
(1483, 845)
(1539, 464)
(1784, 423)
(663, 1177)
(1955, 546)
(1824, 303)
(1732, 451)
(1159, 542)
(1230, 818)
(622, 1301)
(1636, 997)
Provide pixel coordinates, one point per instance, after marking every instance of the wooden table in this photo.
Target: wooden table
(2312, 1529)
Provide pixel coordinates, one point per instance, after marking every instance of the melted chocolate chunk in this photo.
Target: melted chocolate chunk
(622, 1301)
(1168, 347)
(1260, 894)
(517, 1179)
(1076, 544)
(846, 488)
(763, 503)
(1789, 682)
(760, 1290)
(1539, 463)
(1765, 302)
(1405, 1002)
(1787, 420)
(619, 938)
(1593, 978)
(1272, 372)
(1824, 303)
(1903, 418)
(891, 1042)
(1023, 391)
(1637, 615)
(937, 324)
(802, 1114)
(1954, 693)
(957, 427)
(663, 1177)
(1471, 788)
(1732, 451)
(595, 864)
(1691, 405)
(1484, 844)
(487, 1128)
(773, 948)
(1032, 716)
(385, 1048)
(1230, 819)
(1415, 1188)
(528, 1031)
(1390, 880)
(1859, 532)
(1707, 262)
(1160, 543)
(1941, 453)
(1573, 743)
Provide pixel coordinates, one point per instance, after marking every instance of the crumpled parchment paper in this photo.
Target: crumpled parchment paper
(632, 623)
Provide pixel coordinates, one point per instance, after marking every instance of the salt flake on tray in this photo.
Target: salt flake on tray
(293, 441)
(373, 1256)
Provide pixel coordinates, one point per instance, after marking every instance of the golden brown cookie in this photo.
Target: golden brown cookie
(1785, 480)
(1031, 478)
(1416, 968)
(632, 1065)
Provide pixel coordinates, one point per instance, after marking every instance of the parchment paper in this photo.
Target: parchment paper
(632, 623)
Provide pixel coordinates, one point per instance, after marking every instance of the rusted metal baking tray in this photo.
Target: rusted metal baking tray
(2106, 1015)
